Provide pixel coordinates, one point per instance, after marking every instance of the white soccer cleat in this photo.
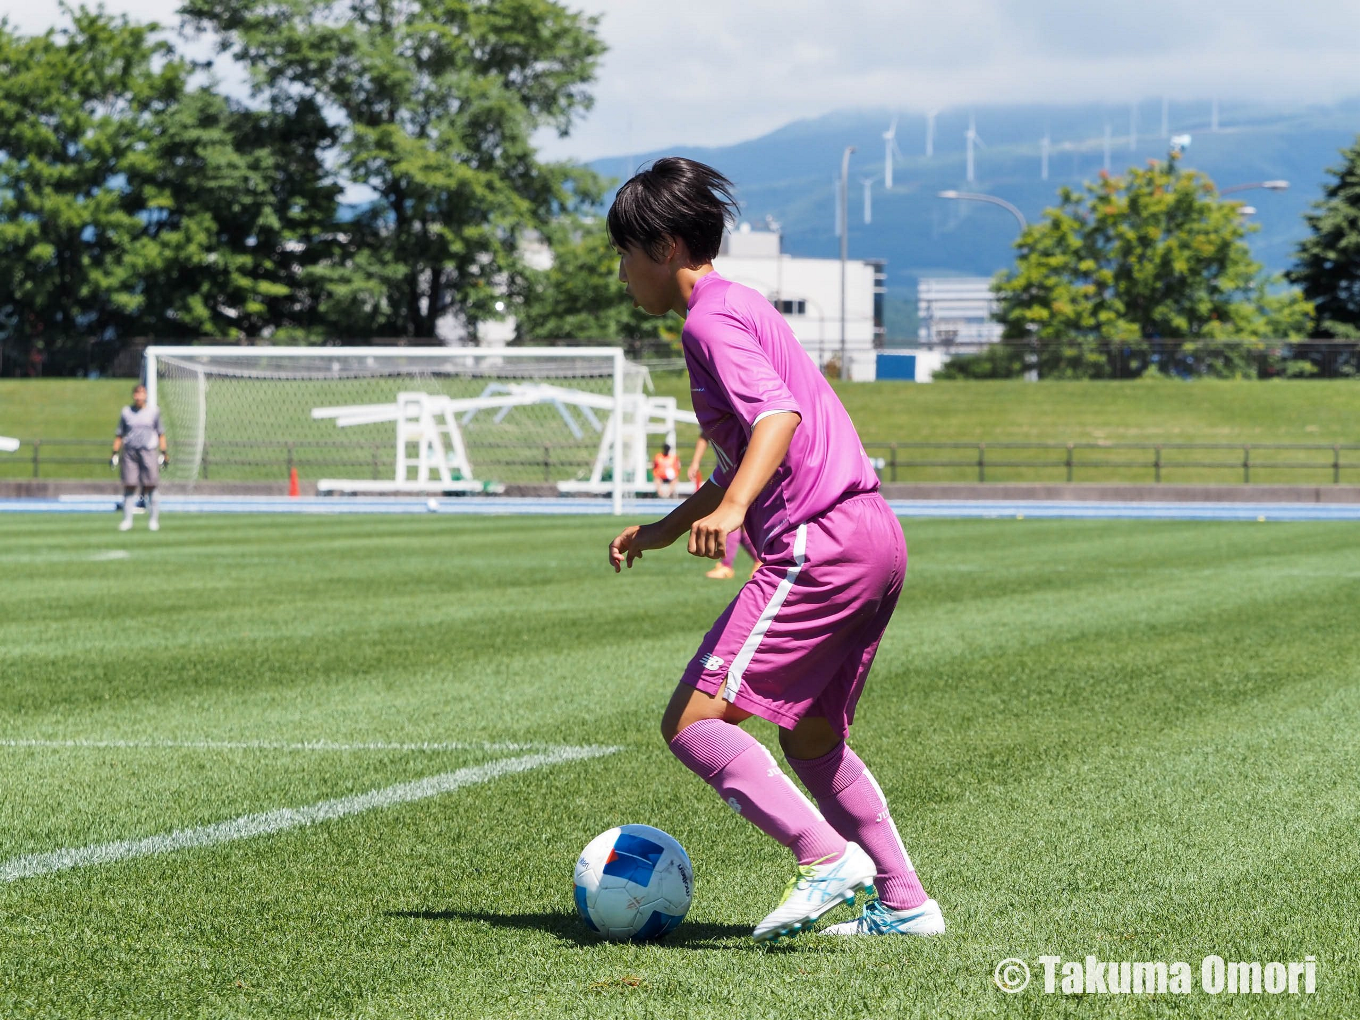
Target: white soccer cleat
(816, 889)
(880, 920)
(154, 526)
(125, 525)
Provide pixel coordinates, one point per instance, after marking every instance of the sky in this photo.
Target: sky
(713, 72)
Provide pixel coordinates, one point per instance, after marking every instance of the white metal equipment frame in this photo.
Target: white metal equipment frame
(472, 354)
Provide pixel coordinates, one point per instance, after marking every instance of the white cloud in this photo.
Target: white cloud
(713, 72)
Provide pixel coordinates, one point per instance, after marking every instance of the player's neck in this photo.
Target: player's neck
(686, 279)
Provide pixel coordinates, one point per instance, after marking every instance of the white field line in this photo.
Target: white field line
(248, 826)
(269, 745)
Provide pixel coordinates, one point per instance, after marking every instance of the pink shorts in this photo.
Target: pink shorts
(800, 636)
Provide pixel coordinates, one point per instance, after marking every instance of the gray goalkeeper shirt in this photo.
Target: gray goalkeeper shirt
(140, 429)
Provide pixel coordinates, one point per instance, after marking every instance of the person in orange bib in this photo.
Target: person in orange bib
(666, 472)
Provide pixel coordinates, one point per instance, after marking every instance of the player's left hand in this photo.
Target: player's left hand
(163, 459)
(708, 536)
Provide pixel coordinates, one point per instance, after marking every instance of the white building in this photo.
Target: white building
(806, 291)
(957, 311)
(808, 294)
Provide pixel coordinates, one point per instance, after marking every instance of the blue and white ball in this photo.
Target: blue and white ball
(633, 882)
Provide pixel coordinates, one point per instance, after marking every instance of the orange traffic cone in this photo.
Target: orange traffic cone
(293, 489)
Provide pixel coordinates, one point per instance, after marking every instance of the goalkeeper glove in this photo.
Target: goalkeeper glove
(113, 461)
(163, 459)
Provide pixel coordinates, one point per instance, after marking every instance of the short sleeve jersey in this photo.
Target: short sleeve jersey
(139, 429)
(745, 363)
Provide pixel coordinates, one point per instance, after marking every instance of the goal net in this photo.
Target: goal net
(375, 419)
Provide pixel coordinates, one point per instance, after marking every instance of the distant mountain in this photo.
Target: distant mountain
(788, 174)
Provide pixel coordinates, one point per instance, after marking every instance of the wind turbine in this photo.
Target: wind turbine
(972, 138)
(930, 132)
(1213, 115)
(1133, 126)
(1166, 117)
(1043, 157)
(868, 183)
(890, 152)
(1107, 146)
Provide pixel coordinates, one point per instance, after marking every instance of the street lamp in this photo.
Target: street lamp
(1267, 185)
(845, 242)
(971, 196)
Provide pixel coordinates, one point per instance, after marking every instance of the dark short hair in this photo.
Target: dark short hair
(139, 386)
(673, 198)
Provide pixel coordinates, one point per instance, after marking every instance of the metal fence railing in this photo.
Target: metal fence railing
(272, 460)
(224, 460)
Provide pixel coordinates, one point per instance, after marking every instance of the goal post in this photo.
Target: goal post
(246, 414)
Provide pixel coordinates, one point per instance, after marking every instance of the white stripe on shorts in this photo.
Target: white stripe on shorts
(748, 649)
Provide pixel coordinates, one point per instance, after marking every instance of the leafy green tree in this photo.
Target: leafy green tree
(77, 106)
(580, 297)
(1150, 266)
(132, 205)
(256, 184)
(435, 104)
(1328, 267)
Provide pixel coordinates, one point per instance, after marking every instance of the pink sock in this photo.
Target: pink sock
(747, 777)
(733, 542)
(853, 802)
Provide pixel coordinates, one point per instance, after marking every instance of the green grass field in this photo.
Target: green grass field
(1132, 740)
(1204, 411)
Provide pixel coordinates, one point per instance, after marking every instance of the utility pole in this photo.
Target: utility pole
(845, 250)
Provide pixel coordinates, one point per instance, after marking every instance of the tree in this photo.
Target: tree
(257, 184)
(76, 105)
(134, 205)
(435, 103)
(1148, 268)
(580, 297)
(1328, 267)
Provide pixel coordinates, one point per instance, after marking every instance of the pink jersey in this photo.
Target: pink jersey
(744, 363)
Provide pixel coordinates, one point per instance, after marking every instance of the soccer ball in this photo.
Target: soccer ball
(633, 882)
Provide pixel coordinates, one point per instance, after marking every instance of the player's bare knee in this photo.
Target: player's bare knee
(813, 737)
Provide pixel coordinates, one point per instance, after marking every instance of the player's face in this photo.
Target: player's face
(649, 283)
(139, 398)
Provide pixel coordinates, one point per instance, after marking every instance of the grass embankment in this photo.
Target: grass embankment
(1143, 412)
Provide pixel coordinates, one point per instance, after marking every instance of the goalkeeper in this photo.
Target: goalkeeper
(139, 452)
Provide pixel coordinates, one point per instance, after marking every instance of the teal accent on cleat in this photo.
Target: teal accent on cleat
(880, 920)
(816, 889)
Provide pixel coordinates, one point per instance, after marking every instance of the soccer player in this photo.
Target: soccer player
(725, 570)
(139, 447)
(726, 567)
(795, 646)
(666, 472)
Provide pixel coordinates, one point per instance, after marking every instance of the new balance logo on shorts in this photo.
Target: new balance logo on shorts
(713, 662)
